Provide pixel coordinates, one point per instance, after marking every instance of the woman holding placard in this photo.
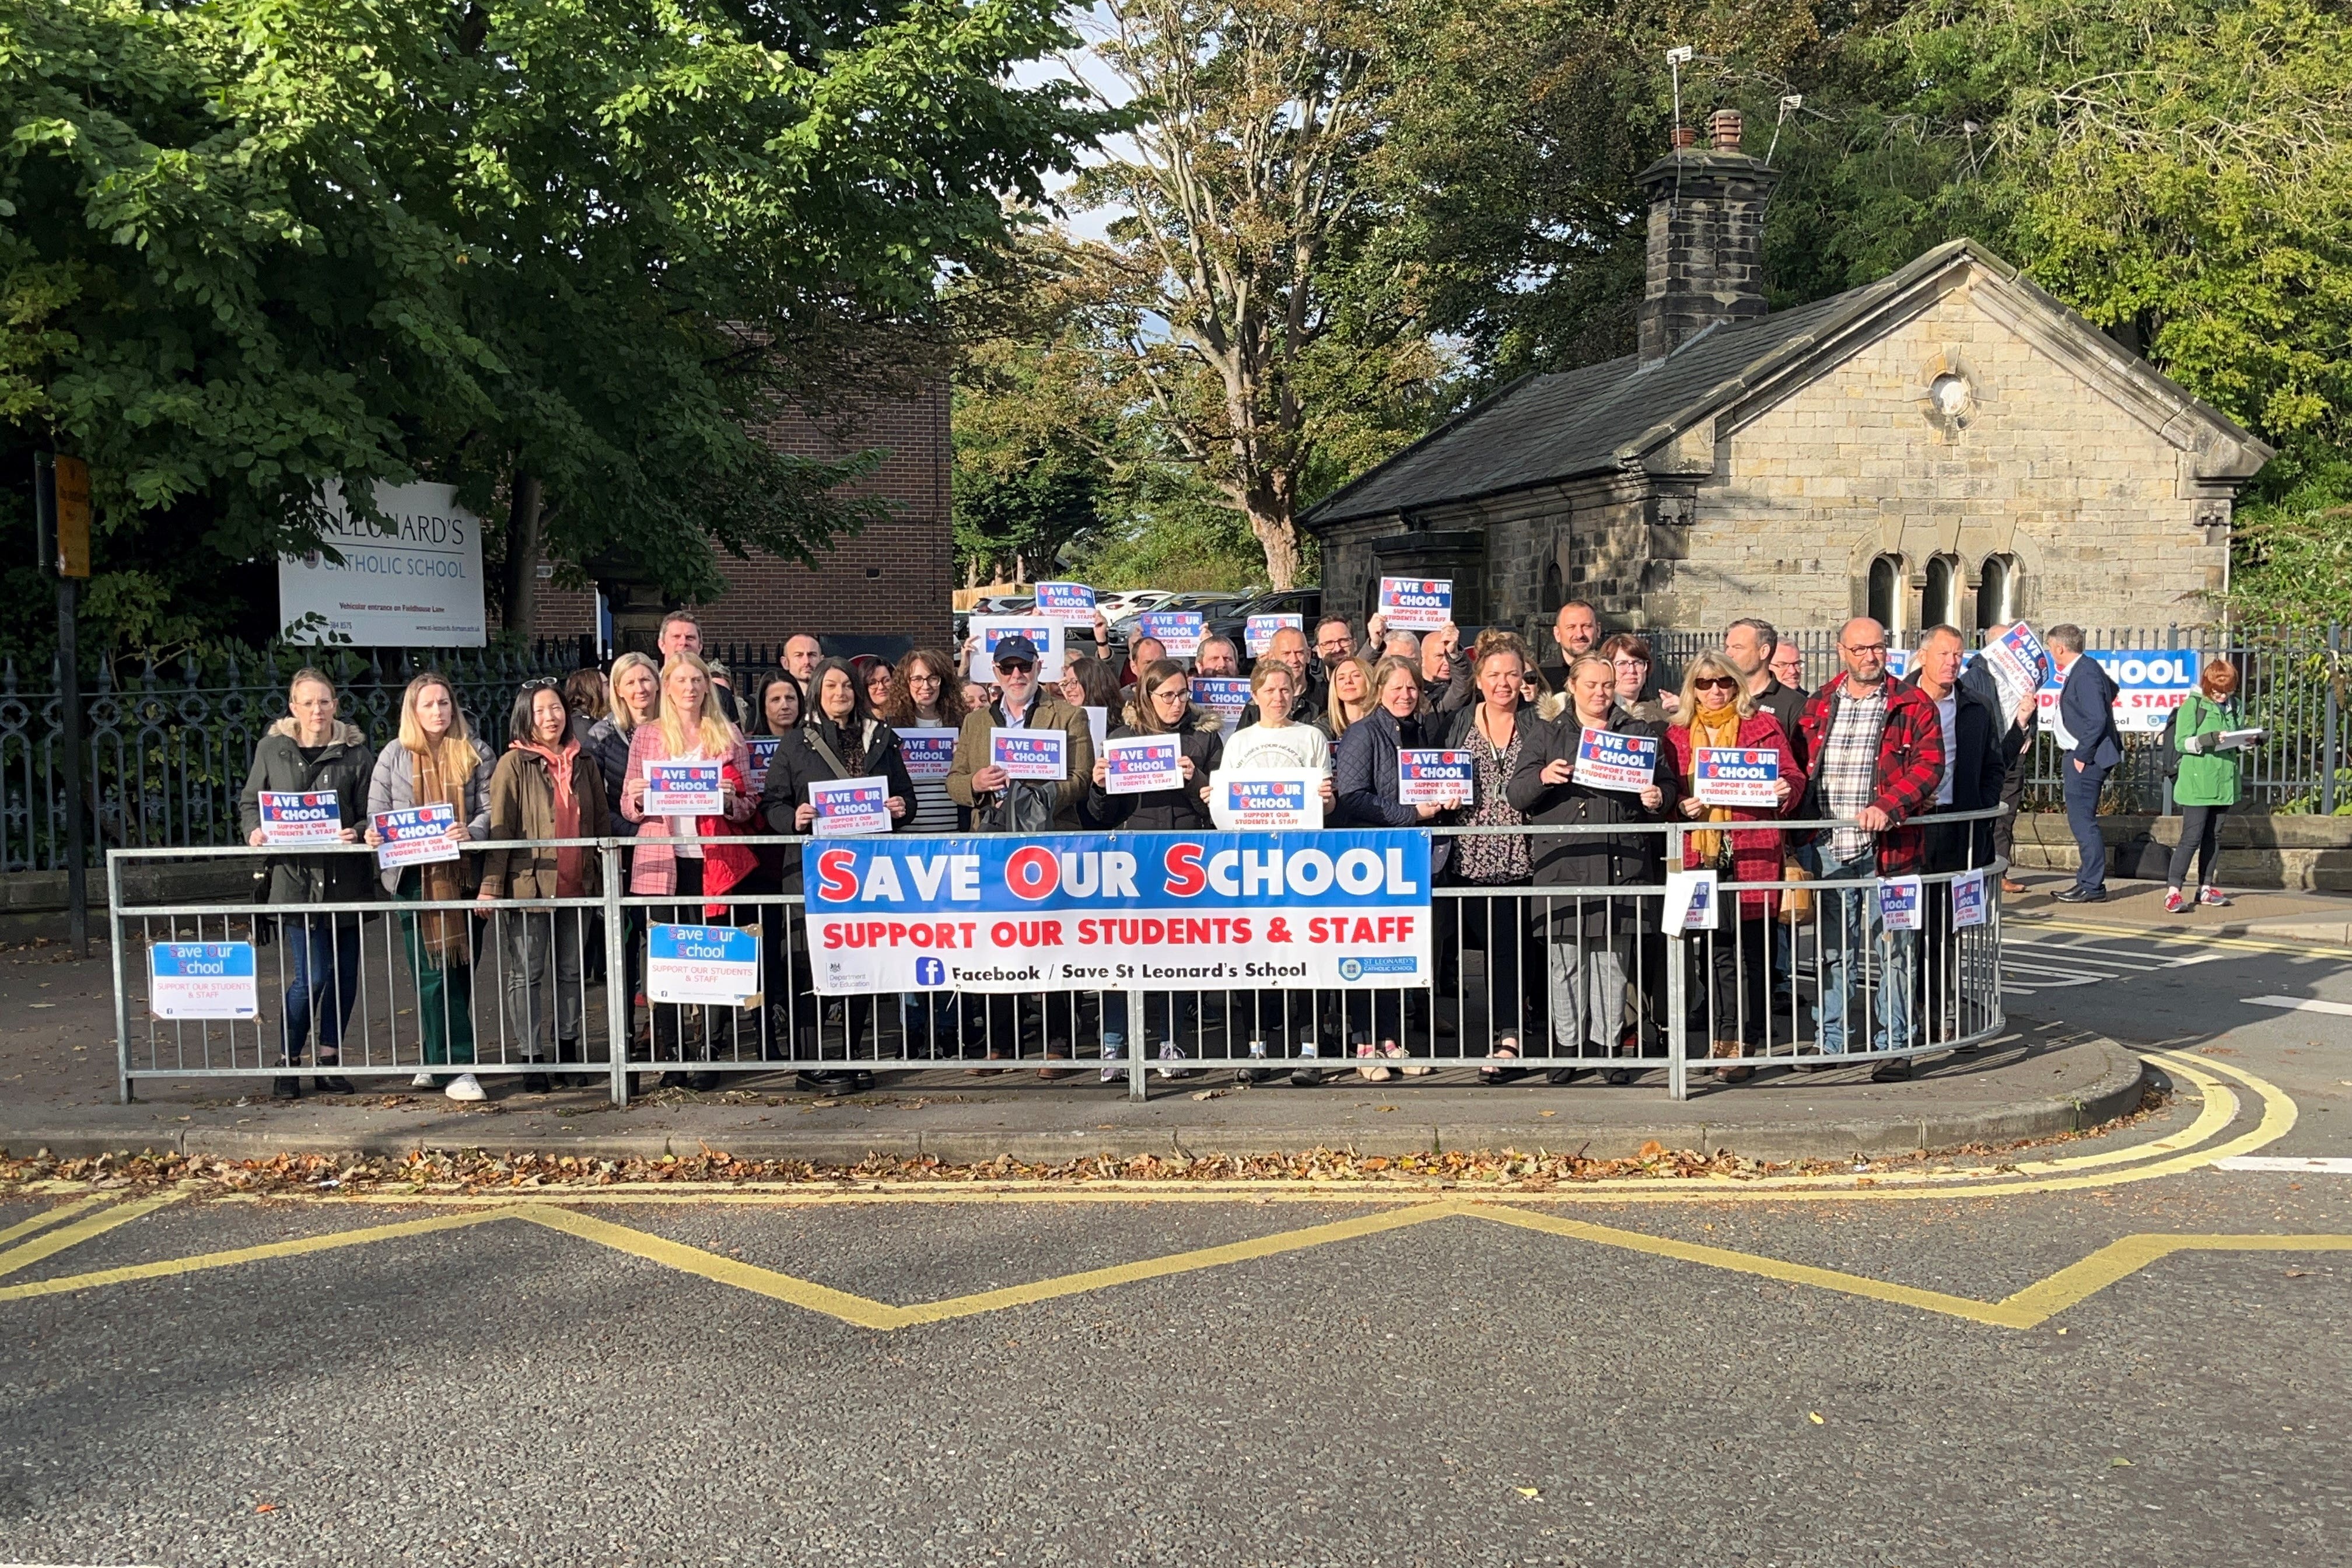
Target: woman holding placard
(841, 740)
(1493, 731)
(1163, 711)
(546, 787)
(437, 763)
(1567, 777)
(1723, 743)
(689, 728)
(927, 693)
(1368, 791)
(310, 752)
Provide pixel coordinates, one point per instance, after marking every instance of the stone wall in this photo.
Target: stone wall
(2030, 459)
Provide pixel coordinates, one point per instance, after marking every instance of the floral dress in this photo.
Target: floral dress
(1501, 861)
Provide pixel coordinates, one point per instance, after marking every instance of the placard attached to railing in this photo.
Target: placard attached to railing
(706, 965)
(1102, 911)
(192, 980)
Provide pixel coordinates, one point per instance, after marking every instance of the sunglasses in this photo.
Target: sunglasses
(1015, 664)
(543, 683)
(1713, 683)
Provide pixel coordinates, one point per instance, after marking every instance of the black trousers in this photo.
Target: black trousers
(1731, 979)
(2200, 836)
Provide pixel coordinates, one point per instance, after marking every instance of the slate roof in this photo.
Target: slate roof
(1542, 428)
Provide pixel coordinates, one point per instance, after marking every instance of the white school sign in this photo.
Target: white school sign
(420, 587)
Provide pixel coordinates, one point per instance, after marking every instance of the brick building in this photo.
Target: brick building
(1949, 443)
(883, 590)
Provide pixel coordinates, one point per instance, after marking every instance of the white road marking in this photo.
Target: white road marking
(2301, 1005)
(2325, 1167)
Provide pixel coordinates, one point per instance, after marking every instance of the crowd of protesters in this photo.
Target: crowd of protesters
(1577, 975)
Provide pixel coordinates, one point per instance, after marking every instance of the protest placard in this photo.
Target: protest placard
(194, 980)
(1071, 604)
(1429, 777)
(764, 755)
(1179, 631)
(705, 965)
(1267, 798)
(301, 817)
(684, 789)
(929, 753)
(1898, 904)
(1736, 775)
(418, 836)
(1608, 759)
(1416, 603)
(987, 631)
(1257, 632)
(1223, 695)
(848, 807)
(1969, 904)
(1030, 753)
(1690, 900)
(1140, 764)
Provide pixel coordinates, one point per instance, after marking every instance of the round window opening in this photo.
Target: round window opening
(1950, 395)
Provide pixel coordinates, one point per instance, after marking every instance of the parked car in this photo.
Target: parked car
(1116, 608)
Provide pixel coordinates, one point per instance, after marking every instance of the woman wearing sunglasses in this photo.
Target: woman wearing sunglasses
(1732, 965)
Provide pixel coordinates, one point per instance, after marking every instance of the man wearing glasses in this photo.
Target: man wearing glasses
(1877, 752)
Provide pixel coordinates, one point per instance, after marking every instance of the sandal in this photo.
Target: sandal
(1507, 1049)
(1395, 1052)
(1369, 1066)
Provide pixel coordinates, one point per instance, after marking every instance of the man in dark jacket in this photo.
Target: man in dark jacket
(2090, 750)
(311, 750)
(1977, 748)
(1749, 644)
(1877, 752)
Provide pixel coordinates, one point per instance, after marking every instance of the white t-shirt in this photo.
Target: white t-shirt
(1262, 746)
(1947, 710)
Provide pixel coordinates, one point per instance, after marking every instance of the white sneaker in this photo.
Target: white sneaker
(1112, 1054)
(466, 1089)
(1169, 1052)
(421, 1080)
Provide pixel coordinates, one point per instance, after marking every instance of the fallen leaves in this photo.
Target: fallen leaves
(1815, 1418)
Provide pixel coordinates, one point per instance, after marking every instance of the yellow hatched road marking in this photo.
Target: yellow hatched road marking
(43, 1221)
(81, 1230)
(170, 1266)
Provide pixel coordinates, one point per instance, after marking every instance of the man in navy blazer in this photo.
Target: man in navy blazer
(2090, 750)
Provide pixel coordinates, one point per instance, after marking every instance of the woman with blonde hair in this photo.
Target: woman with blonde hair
(1731, 965)
(1347, 700)
(688, 728)
(437, 761)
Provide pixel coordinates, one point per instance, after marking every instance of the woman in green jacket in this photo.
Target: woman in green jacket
(2206, 786)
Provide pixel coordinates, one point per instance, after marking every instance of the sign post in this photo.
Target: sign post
(61, 511)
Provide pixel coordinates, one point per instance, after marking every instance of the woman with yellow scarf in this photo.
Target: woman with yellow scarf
(1733, 962)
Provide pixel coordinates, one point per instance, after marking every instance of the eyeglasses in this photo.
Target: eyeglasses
(1858, 650)
(1017, 664)
(1715, 683)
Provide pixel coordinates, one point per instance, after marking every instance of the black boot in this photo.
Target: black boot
(287, 1087)
(535, 1082)
(327, 1084)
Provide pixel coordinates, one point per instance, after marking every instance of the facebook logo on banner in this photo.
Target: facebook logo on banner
(930, 971)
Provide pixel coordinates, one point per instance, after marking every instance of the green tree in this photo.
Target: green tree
(560, 256)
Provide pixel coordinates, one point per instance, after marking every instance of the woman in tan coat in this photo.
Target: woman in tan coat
(545, 787)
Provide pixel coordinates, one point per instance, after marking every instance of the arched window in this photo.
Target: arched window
(1886, 586)
(1555, 588)
(1997, 592)
(1372, 594)
(1941, 605)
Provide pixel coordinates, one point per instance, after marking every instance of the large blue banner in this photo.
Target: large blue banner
(1120, 911)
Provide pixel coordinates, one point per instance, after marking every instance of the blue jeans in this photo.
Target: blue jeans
(325, 962)
(1852, 938)
(2082, 792)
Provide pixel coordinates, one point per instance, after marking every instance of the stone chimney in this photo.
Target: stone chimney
(1706, 237)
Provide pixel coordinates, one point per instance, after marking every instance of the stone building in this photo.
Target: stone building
(1947, 444)
(883, 590)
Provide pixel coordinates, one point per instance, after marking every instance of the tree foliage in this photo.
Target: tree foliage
(538, 249)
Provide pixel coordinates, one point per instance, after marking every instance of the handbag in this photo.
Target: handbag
(1796, 903)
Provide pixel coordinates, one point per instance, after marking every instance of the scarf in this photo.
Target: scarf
(572, 861)
(442, 932)
(1720, 730)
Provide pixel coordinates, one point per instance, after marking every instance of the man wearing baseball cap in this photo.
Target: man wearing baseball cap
(1001, 804)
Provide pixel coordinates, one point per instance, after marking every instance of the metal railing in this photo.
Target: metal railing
(1582, 978)
(2292, 682)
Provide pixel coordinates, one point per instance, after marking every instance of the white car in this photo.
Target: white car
(1116, 608)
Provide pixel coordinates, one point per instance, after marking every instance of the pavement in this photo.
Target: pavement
(2125, 1350)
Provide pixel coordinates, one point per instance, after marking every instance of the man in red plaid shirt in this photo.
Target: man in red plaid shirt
(1877, 750)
